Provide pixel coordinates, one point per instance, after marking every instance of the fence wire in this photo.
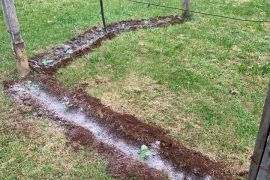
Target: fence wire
(199, 12)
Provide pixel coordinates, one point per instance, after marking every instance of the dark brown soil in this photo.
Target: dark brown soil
(119, 165)
(123, 125)
(134, 131)
(57, 57)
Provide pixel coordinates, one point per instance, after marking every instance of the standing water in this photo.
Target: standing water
(78, 117)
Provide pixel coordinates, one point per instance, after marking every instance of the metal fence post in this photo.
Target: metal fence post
(102, 15)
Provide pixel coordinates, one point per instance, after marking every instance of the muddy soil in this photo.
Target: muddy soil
(119, 164)
(56, 57)
(174, 160)
(190, 163)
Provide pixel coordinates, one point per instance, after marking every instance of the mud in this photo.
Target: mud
(57, 57)
(119, 133)
(116, 137)
(119, 165)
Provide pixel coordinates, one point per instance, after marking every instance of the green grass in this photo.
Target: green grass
(31, 148)
(22, 154)
(40, 151)
(183, 77)
(178, 77)
(45, 24)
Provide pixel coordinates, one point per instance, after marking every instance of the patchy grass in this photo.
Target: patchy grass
(30, 150)
(178, 77)
(188, 78)
(32, 147)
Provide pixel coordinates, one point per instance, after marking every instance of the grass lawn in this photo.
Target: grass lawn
(180, 78)
(204, 81)
(30, 147)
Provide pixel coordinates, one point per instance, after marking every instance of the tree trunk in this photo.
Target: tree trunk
(13, 27)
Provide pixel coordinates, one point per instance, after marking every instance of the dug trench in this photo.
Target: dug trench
(117, 137)
(54, 58)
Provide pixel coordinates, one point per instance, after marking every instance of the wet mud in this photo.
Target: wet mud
(114, 135)
(49, 61)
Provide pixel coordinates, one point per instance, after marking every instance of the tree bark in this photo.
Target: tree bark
(13, 27)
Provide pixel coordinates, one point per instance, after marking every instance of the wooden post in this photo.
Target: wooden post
(186, 6)
(13, 27)
(261, 142)
(264, 169)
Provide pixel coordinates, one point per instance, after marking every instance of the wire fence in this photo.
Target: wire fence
(160, 4)
(198, 12)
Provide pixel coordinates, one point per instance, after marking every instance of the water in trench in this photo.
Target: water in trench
(78, 117)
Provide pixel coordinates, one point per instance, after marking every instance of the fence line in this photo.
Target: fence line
(199, 12)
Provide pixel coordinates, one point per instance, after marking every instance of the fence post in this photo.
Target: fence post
(261, 142)
(102, 15)
(13, 27)
(186, 6)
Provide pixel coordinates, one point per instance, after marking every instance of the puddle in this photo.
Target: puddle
(60, 108)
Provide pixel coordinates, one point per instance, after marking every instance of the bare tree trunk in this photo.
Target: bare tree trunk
(14, 33)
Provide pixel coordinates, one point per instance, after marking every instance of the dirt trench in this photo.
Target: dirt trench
(118, 137)
(54, 58)
(81, 114)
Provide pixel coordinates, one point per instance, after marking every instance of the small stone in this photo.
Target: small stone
(235, 92)
(66, 47)
(69, 51)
